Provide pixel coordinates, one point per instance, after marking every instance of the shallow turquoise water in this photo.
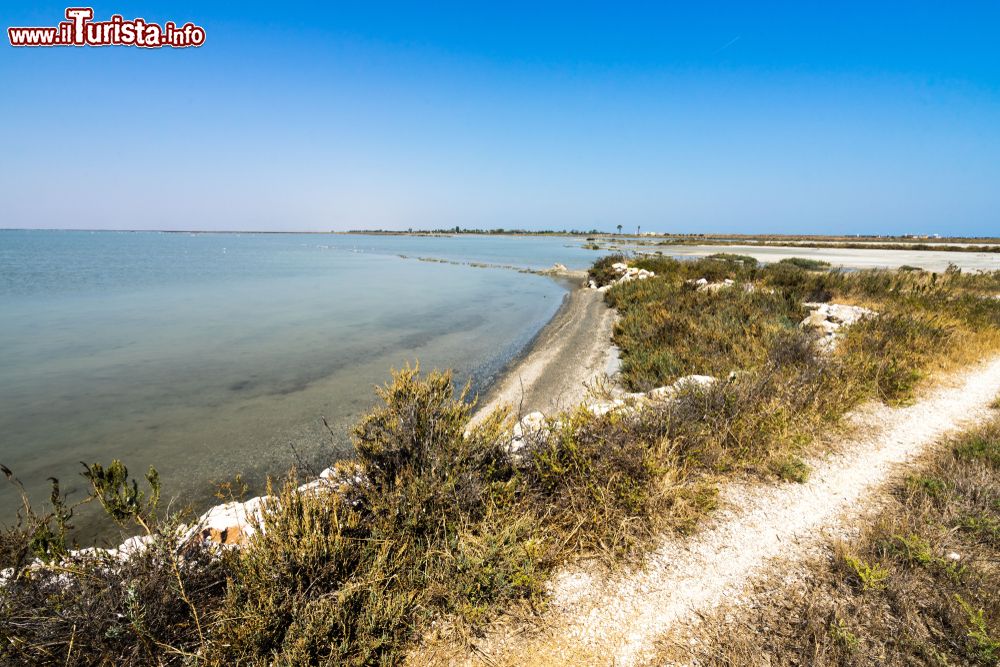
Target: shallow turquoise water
(211, 354)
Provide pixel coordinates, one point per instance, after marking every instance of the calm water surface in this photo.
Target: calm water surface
(211, 354)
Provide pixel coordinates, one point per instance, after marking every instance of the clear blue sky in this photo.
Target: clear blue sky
(825, 117)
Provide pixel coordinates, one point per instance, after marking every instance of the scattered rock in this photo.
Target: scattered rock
(699, 381)
(132, 546)
(687, 382)
(625, 274)
(601, 408)
(662, 393)
(829, 318)
(232, 523)
(702, 284)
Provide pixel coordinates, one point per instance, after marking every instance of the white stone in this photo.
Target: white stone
(601, 408)
(699, 381)
(829, 318)
(625, 274)
(233, 522)
(661, 393)
(133, 545)
(524, 432)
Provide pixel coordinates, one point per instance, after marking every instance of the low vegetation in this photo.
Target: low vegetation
(807, 264)
(669, 328)
(444, 524)
(917, 587)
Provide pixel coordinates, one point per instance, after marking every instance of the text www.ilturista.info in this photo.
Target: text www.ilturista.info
(80, 30)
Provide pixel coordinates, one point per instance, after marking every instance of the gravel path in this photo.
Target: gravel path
(615, 619)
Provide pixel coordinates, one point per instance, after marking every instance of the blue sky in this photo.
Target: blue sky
(819, 117)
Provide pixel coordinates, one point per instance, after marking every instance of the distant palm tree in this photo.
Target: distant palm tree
(638, 228)
(619, 229)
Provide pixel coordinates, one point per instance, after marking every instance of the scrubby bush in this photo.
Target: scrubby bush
(90, 607)
(890, 354)
(438, 527)
(594, 477)
(746, 260)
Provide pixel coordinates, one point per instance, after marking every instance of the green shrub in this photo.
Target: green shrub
(985, 646)
(745, 260)
(668, 330)
(806, 263)
(791, 469)
(92, 608)
(983, 446)
(870, 576)
(437, 528)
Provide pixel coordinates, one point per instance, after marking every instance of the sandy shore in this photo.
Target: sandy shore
(573, 349)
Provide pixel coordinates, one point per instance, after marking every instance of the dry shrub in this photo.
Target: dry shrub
(760, 419)
(436, 529)
(593, 480)
(806, 263)
(93, 609)
(313, 587)
(888, 356)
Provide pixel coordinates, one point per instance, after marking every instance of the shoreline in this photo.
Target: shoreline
(549, 367)
(550, 373)
(570, 351)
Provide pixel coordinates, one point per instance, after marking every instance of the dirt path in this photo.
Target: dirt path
(600, 619)
(570, 351)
